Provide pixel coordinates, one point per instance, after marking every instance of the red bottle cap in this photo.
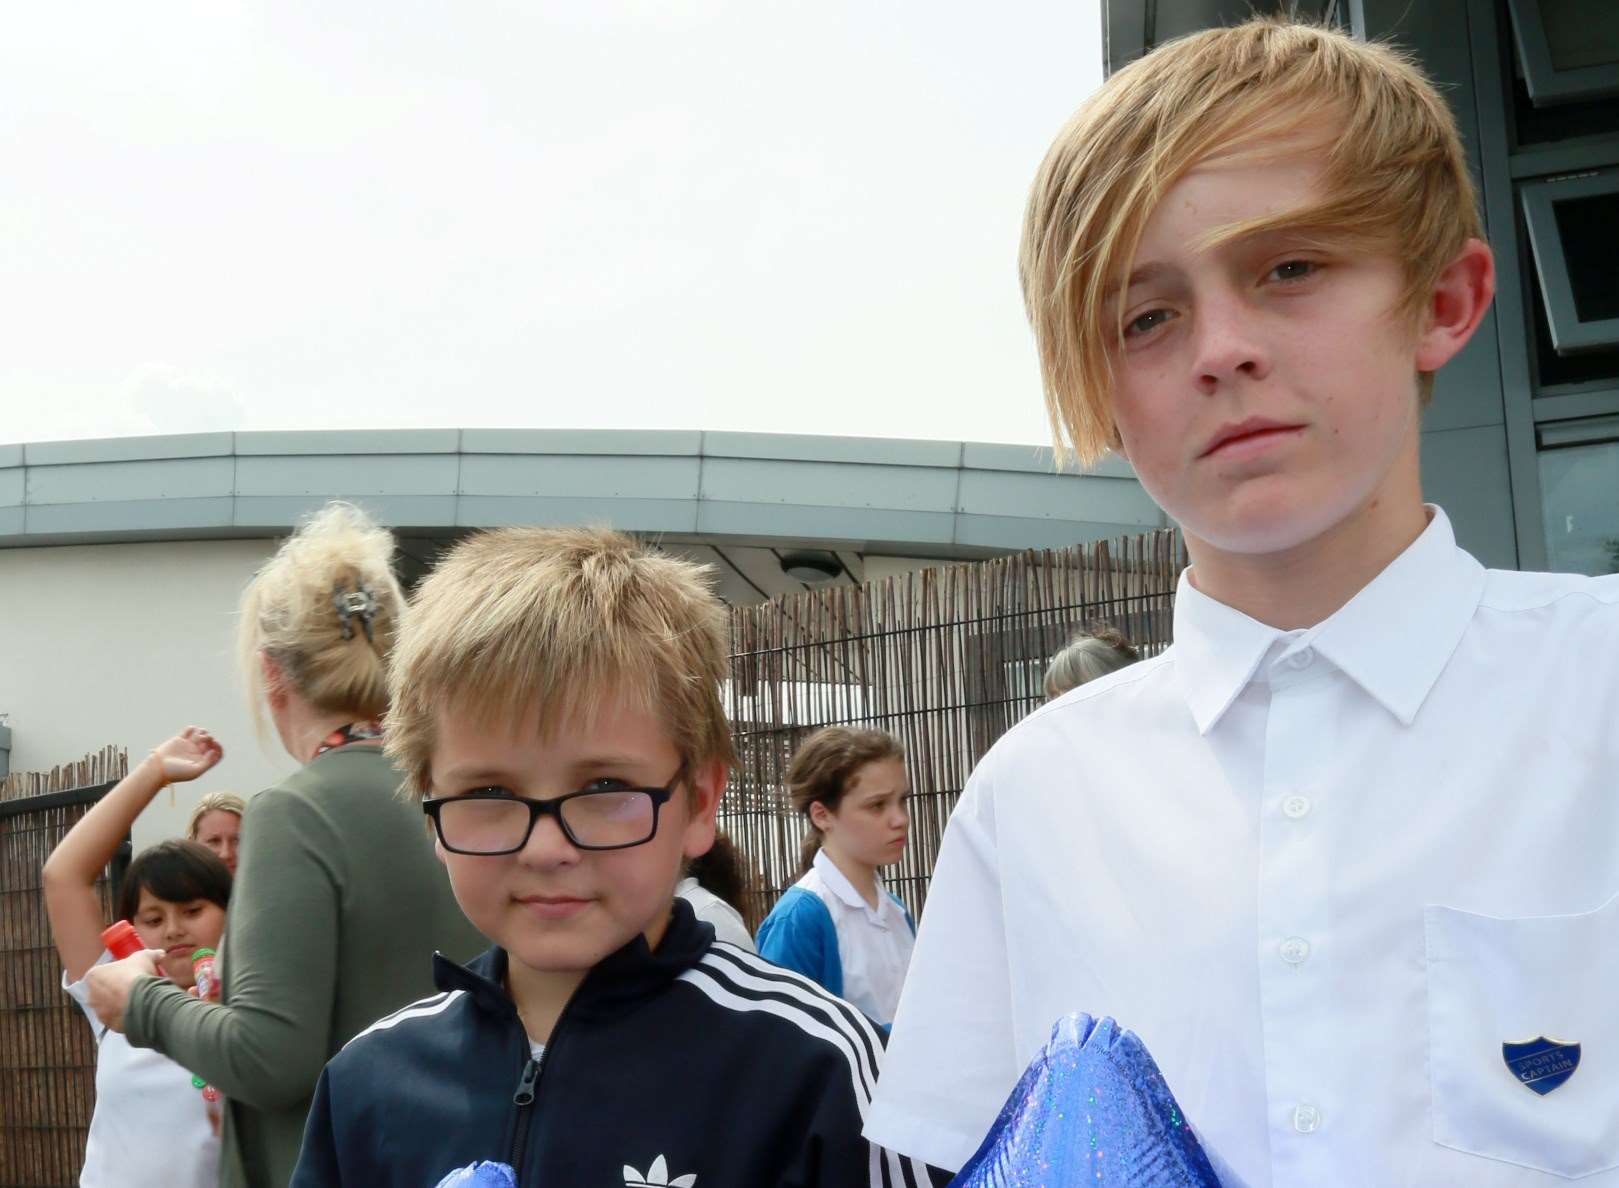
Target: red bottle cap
(121, 939)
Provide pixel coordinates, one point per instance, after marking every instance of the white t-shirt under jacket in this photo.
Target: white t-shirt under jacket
(1326, 875)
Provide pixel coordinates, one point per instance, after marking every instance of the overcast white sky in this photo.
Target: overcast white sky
(703, 214)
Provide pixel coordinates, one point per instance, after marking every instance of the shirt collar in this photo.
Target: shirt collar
(1393, 638)
(843, 888)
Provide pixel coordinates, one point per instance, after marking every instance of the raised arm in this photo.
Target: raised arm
(70, 873)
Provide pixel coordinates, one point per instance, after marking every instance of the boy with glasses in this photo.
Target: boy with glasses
(1346, 855)
(556, 701)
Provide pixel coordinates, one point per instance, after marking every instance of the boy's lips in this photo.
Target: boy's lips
(553, 907)
(1247, 437)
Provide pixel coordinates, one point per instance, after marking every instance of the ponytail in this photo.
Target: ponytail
(807, 849)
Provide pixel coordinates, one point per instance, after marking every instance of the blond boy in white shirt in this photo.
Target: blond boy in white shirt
(1345, 856)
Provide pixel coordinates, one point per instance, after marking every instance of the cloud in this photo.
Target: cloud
(169, 399)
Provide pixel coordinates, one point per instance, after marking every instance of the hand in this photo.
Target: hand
(187, 755)
(107, 986)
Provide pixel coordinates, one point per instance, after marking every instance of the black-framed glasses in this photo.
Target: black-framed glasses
(490, 821)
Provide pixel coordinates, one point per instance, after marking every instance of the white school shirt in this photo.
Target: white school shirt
(150, 1126)
(1324, 875)
(711, 909)
(874, 943)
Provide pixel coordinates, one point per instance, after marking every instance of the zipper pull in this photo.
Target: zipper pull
(525, 1087)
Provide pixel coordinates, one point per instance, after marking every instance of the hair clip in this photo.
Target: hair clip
(357, 603)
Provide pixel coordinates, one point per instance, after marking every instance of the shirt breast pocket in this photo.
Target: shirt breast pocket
(1495, 982)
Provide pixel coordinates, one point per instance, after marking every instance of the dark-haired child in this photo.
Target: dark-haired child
(150, 1124)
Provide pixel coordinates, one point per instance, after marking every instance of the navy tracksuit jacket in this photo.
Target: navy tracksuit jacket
(697, 1064)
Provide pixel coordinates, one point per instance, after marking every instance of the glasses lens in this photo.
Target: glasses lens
(483, 826)
(610, 818)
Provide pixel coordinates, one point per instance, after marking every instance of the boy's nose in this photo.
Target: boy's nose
(548, 845)
(1226, 348)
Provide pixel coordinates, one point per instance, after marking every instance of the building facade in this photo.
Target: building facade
(121, 560)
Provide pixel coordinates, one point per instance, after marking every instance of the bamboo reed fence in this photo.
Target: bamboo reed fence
(946, 659)
(47, 1050)
(106, 766)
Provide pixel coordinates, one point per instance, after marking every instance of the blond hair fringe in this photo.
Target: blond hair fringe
(562, 620)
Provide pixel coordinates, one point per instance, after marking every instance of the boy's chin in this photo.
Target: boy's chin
(1258, 527)
(1250, 540)
(562, 955)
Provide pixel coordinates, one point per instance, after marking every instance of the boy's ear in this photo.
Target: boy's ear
(706, 785)
(1460, 298)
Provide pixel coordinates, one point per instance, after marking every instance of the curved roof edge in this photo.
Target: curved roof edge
(881, 495)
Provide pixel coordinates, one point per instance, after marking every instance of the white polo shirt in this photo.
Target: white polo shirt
(711, 909)
(1325, 875)
(874, 943)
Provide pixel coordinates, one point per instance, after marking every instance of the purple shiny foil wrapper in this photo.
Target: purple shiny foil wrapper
(480, 1175)
(1091, 1110)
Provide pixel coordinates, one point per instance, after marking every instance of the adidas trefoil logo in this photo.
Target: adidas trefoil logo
(657, 1176)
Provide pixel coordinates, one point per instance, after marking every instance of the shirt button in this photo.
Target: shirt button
(1295, 949)
(1296, 807)
(1306, 1118)
(1302, 658)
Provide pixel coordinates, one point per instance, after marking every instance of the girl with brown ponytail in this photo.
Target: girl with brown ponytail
(838, 924)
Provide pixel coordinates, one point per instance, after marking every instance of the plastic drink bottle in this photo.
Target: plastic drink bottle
(202, 971)
(121, 940)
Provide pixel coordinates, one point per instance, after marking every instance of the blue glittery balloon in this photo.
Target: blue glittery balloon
(480, 1175)
(1092, 1109)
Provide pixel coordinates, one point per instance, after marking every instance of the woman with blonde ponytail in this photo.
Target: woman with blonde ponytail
(339, 902)
(838, 924)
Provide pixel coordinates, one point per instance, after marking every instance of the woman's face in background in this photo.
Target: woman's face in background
(220, 830)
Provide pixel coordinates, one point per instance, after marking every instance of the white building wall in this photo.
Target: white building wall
(125, 644)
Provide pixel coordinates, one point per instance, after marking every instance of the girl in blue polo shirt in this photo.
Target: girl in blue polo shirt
(838, 924)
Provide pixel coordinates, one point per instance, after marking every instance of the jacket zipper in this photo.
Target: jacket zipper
(528, 1089)
(523, 1099)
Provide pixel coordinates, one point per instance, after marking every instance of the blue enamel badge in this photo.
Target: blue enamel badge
(1541, 1064)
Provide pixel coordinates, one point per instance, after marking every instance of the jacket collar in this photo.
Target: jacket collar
(621, 979)
(1393, 638)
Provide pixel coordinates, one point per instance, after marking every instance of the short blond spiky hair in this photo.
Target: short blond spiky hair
(1395, 180)
(563, 619)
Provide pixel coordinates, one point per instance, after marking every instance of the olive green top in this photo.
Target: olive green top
(337, 908)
